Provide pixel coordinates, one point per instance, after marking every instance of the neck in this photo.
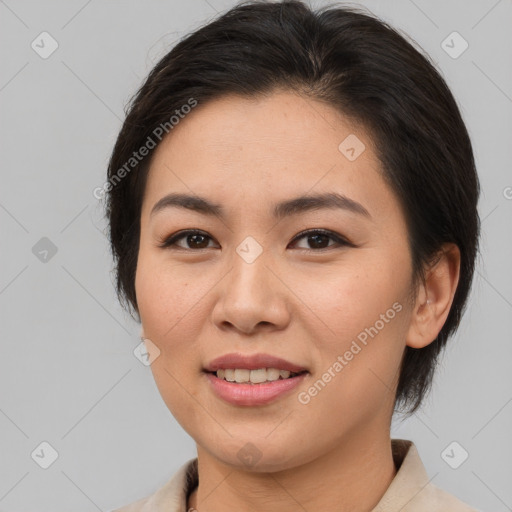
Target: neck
(354, 476)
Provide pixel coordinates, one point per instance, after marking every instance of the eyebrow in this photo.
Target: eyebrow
(283, 209)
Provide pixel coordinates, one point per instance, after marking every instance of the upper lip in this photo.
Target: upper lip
(252, 362)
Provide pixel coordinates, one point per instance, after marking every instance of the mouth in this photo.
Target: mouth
(247, 393)
(253, 380)
(254, 377)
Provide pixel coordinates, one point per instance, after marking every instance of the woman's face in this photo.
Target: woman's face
(250, 286)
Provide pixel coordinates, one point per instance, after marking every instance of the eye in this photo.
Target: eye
(194, 238)
(318, 237)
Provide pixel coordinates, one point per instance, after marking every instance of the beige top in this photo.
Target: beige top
(410, 490)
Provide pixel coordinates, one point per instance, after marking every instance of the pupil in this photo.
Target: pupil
(316, 237)
(194, 237)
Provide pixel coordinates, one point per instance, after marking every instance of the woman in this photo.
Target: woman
(292, 203)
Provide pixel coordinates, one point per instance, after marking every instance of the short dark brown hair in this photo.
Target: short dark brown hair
(361, 66)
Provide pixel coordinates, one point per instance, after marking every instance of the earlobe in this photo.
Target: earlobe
(435, 297)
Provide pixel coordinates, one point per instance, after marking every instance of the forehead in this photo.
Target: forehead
(280, 145)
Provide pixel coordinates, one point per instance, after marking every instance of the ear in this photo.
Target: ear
(434, 297)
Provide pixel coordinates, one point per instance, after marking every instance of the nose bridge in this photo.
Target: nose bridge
(249, 275)
(251, 294)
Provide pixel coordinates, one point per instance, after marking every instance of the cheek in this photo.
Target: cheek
(352, 298)
(365, 315)
(166, 301)
(166, 310)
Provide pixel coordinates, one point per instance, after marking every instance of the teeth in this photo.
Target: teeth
(242, 375)
(273, 373)
(258, 376)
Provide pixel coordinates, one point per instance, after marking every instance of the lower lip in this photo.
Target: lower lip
(253, 394)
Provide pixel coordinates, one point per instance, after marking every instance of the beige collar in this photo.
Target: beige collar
(410, 490)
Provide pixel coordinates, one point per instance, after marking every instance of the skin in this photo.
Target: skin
(295, 301)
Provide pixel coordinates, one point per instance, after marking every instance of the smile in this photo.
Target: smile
(246, 393)
(241, 375)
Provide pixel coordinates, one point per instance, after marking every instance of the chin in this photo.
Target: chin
(260, 455)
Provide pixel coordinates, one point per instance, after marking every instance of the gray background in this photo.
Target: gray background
(68, 375)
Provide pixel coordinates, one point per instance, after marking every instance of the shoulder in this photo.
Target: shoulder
(412, 490)
(172, 497)
(136, 506)
(433, 498)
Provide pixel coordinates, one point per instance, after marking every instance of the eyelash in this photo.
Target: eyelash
(169, 242)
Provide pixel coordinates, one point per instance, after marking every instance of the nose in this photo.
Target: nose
(251, 298)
